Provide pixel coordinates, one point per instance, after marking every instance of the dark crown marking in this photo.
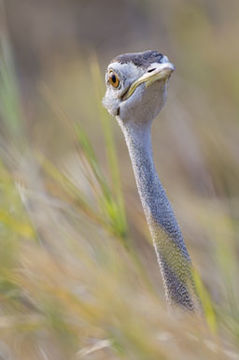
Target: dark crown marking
(142, 59)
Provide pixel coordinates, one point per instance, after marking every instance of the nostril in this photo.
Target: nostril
(150, 70)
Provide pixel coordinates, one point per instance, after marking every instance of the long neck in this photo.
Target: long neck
(172, 254)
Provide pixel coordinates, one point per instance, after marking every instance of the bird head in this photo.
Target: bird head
(136, 86)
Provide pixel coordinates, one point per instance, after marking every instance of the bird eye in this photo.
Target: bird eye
(113, 79)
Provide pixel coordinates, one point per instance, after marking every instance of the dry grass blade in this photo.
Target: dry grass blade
(81, 291)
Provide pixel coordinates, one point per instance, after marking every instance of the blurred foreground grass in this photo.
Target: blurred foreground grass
(73, 281)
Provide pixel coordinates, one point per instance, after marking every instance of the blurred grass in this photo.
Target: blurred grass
(9, 98)
(79, 292)
(106, 120)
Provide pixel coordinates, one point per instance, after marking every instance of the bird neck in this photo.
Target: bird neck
(172, 254)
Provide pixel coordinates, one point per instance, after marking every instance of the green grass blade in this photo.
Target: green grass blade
(205, 302)
(9, 96)
(106, 121)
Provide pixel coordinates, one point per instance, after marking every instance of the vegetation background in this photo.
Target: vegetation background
(78, 273)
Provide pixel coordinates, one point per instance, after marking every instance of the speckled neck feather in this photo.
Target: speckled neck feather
(172, 255)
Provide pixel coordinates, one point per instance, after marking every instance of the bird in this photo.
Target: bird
(136, 91)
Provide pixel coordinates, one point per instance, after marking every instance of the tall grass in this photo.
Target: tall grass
(72, 282)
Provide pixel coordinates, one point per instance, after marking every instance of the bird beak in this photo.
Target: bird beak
(154, 73)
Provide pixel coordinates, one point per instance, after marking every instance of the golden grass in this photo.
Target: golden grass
(74, 280)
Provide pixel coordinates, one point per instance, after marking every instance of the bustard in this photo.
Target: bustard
(136, 92)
